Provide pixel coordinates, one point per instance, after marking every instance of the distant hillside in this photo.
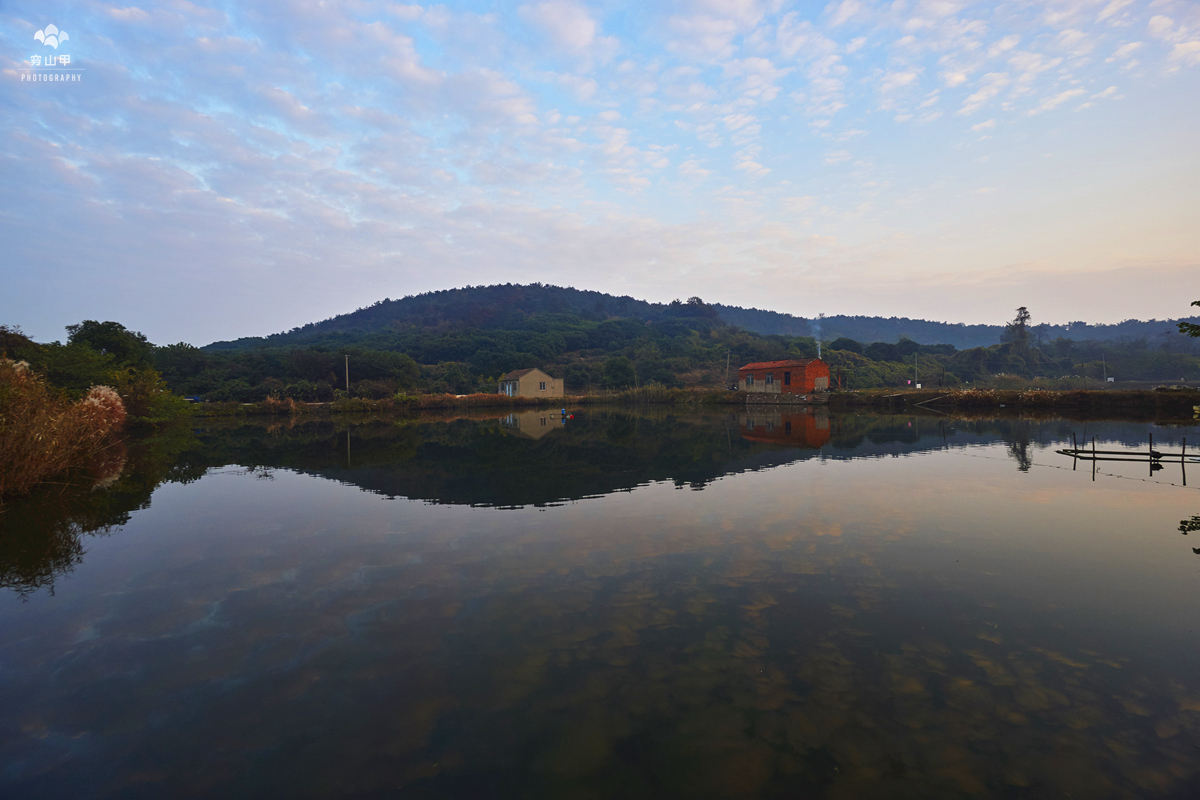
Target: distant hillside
(503, 307)
(862, 329)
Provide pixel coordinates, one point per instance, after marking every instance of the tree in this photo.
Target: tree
(129, 348)
(1017, 331)
(849, 345)
(13, 342)
(1190, 328)
(618, 372)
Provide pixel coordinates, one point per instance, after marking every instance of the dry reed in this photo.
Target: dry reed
(43, 434)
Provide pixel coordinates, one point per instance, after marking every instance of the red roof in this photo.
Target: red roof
(794, 362)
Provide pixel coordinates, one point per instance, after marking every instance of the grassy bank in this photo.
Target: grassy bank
(1156, 403)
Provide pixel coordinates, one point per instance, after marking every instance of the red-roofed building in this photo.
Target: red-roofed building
(793, 376)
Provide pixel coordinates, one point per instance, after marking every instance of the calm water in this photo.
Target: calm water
(627, 605)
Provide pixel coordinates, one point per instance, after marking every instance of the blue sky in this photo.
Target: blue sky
(235, 169)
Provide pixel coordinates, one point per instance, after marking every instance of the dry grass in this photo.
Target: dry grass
(43, 434)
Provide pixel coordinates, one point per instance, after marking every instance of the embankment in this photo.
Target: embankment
(1172, 404)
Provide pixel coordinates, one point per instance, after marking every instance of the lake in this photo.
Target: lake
(747, 604)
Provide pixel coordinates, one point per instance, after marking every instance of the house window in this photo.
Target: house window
(750, 424)
(542, 386)
(770, 378)
(770, 426)
(749, 380)
(787, 379)
(787, 427)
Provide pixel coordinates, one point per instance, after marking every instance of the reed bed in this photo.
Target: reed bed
(43, 434)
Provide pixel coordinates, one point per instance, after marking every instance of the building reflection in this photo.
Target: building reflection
(793, 428)
(533, 424)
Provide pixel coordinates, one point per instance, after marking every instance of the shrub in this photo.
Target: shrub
(43, 434)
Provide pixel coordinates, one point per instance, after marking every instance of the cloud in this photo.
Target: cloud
(1076, 43)
(895, 80)
(1057, 100)
(1187, 52)
(1124, 52)
(752, 168)
(989, 86)
(570, 29)
(842, 12)
(399, 143)
(1004, 45)
(1112, 8)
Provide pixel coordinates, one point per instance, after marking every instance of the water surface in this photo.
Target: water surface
(758, 604)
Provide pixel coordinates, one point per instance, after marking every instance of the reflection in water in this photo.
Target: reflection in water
(847, 625)
(777, 425)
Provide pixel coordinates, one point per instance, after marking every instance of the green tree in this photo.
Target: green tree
(849, 345)
(129, 348)
(1017, 331)
(618, 372)
(1190, 328)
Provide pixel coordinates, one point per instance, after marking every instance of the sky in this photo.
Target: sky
(223, 169)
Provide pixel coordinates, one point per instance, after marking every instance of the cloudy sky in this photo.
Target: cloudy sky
(231, 169)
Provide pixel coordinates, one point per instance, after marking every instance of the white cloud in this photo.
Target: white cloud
(989, 86)
(1057, 100)
(752, 168)
(895, 80)
(1112, 8)
(1076, 43)
(570, 29)
(1124, 52)
(1004, 45)
(983, 126)
(842, 12)
(837, 156)
(1161, 26)
(1187, 52)
(692, 169)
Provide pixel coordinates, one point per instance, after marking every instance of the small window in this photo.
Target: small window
(770, 378)
(542, 386)
(750, 424)
(770, 426)
(787, 427)
(543, 421)
(749, 380)
(787, 379)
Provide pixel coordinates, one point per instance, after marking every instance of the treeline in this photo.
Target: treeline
(687, 345)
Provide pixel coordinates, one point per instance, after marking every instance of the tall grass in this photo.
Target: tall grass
(43, 434)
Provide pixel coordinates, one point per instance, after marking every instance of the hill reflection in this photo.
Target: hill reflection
(533, 458)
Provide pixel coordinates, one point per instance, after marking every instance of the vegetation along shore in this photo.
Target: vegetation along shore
(62, 405)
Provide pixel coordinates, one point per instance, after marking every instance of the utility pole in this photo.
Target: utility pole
(915, 379)
(347, 377)
(727, 354)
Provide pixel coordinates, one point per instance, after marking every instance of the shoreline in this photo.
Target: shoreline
(1177, 404)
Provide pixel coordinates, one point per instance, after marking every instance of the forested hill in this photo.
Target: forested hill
(509, 306)
(862, 329)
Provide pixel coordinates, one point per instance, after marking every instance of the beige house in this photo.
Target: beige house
(530, 383)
